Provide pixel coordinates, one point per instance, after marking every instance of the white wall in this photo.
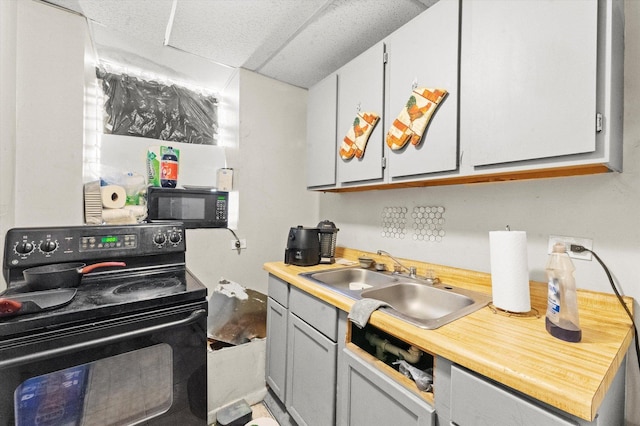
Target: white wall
(41, 116)
(605, 208)
(8, 13)
(49, 136)
(269, 175)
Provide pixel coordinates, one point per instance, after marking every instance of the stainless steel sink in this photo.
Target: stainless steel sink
(428, 306)
(351, 281)
(413, 300)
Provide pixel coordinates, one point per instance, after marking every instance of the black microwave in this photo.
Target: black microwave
(196, 208)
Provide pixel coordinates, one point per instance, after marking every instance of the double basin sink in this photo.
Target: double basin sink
(423, 303)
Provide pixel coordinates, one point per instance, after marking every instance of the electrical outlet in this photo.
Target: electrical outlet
(567, 241)
(243, 244)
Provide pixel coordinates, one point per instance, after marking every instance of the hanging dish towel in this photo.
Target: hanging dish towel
(355, 141)
(414, 117)
(362, 310)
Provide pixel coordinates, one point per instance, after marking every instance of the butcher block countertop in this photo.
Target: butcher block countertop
(516, 351)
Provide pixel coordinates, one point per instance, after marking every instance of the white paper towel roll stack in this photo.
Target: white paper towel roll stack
(510, 271)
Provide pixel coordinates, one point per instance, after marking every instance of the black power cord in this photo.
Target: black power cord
(237, 244)
(579, 249)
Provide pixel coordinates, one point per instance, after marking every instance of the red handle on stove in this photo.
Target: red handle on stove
(90, 268)
(9, 306)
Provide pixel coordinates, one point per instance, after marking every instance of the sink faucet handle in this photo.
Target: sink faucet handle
(431, 277)
(413, 271)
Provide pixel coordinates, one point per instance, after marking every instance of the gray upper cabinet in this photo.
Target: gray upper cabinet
(535, 89)
(530, 81)
(321, 133)
(360, 88)
(424, 53)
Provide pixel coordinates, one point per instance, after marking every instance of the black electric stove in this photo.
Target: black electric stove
(135, 333)
(155, 275)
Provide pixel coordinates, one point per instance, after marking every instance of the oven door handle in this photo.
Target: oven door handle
(40, 356)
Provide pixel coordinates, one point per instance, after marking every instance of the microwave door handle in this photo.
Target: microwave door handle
(40, 356)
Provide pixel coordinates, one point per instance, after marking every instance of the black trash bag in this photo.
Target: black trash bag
(135, 107)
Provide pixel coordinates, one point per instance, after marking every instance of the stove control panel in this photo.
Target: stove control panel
(171, 237)
(109, 242)
(35, 246)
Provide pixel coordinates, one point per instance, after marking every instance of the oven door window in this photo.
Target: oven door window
(119, 390)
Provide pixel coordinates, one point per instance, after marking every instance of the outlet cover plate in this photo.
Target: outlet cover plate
(567, 241)
(243, 244)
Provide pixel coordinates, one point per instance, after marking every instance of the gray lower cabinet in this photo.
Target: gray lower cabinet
(302, 347)
(476, 400)
(369, 397)
(277, 315)
(276, 347)
(311, 379)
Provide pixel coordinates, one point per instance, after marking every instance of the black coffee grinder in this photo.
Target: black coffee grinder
(328, 236)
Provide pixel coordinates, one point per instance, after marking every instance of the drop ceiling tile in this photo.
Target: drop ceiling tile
(231, 31)
(345, 29)
(295, 41)
(155, 61)
(143, 19)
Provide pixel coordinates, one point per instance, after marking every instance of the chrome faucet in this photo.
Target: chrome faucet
(412, 269)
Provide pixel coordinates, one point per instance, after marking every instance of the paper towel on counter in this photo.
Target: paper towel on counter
(118, 217)
(509, 270)
(113, 196)
(139, 212)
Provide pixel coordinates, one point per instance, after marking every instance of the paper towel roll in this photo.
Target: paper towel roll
(509, 270)
(113, 196)
(118, 217)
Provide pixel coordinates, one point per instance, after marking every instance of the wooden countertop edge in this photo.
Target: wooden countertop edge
(606, 338)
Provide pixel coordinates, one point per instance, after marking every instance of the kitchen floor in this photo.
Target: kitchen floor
(260, 411)
(260, 416)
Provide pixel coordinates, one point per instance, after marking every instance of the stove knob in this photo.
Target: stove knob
(175, 238)
(48, 246)
(160, 239)
(24, 248)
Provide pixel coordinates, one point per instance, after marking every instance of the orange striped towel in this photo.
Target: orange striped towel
(414, 117)
(355, 142)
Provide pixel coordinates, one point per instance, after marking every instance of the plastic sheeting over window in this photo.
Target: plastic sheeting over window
(135, 107)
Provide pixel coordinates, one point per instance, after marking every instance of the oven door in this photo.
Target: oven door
(148, 367)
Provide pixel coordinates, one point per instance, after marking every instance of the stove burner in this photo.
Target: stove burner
(147, 286)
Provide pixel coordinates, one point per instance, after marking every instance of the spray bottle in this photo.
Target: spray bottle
(562, 301)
